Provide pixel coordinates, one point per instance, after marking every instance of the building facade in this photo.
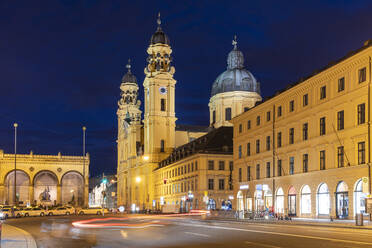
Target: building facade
(306, 151)
(197, 175)
(43, 179)
(103, 192)
(149, 148)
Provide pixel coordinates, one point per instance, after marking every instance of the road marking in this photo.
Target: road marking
(283, 234)
(198, 234)
(260, 244)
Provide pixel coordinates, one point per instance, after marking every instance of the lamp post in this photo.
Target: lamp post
(84, 129)
(15, 164)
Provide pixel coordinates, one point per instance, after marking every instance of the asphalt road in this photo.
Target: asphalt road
(155, 231)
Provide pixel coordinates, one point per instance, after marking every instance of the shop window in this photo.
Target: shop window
(306, 200)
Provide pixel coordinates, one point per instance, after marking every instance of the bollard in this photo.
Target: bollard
(359, 219)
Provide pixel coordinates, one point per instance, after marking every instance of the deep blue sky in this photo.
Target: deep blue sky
(61, 62)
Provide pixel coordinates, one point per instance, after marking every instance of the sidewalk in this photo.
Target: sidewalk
(13, 237)
(301, 221)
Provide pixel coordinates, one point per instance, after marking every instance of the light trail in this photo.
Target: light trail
(95, 223)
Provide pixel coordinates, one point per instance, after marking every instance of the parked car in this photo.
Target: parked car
(5, 213)
(71, 209)
(5, 206)
(18, 212)
(35, 211)
(97, 210)
(60, 211)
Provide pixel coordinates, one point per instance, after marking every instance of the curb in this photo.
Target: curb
(294, 224)
(29, 240)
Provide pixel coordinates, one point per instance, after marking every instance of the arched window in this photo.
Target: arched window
(323, 200)
(306, 200)
(211, 204)
(292, 201)
(239, 197)
(342, 200)
(72, 189)
(359, 198)
(45, 187)
(22, 187)
(279, 206)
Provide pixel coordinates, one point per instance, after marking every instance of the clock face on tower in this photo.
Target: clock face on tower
(163, 90)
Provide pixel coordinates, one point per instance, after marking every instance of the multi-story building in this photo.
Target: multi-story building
(306, 151)
(43, 179)
(198, 174)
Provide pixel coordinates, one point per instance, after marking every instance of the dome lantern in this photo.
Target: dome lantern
(159, 36)
(236, 77)
(129, 77)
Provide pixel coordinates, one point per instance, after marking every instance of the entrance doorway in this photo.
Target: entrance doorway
(342, 201)
(291, 201)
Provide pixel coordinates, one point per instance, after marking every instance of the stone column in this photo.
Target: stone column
(31, 193)
(86, 195)
(2, 196)
(59, 194)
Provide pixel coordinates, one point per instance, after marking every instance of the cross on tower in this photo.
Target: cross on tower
(128, 66)
(234, 42)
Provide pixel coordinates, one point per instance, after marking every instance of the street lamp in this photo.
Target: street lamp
(138, 179)
(15, 164)
(84, 129)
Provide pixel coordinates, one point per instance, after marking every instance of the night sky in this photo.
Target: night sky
(61, 62)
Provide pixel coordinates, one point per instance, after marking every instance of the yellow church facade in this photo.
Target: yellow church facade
(305, 152)
(44, 179)
(164, 163)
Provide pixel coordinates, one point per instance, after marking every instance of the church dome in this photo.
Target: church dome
(159, 36)
(236, 77)
(129, 77)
